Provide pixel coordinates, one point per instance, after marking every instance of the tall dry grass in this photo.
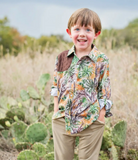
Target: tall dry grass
(19, 72)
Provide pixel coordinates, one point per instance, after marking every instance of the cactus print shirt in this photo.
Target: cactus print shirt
(83, 90)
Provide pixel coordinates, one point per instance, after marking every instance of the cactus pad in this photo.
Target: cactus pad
(18, 129)
(40, 149)
(132, 154)
(5, 133)
(27, 155)
(42, 81)
(16, 112)
(49, 156)
(24, 95)
(50, 146)
(3, 102)
(114, 153)
(107, 141)
(22, 145)
(3, 120)
(119, 133)
(48, 123)
(33, 93)
(103, 156)
(51, 107)
(36, 132)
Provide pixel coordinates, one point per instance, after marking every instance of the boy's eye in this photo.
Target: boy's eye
(77, 29)
(88, 30)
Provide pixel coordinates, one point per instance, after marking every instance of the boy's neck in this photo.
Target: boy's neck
(81, 53)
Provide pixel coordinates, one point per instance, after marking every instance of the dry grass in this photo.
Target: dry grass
(19, 72)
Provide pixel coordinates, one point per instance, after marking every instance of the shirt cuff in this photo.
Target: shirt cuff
(54, 92)
(105, 103)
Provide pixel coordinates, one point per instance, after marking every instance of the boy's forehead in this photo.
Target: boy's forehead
(84, 21)
(82, 25)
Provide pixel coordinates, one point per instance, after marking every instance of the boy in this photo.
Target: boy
(81, 90)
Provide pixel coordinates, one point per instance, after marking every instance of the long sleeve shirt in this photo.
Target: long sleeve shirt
(82, 88)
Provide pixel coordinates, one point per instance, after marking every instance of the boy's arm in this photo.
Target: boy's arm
(55, 104)
(54, 88)
(104, 90)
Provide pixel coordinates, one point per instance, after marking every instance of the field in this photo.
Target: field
(19, 72)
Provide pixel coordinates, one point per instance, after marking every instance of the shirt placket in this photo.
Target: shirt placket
(73, 86)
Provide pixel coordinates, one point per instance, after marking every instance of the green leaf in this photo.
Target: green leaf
(24, 95)
(43, 81)
(3, 102)
(33, 93)
(11, 101)
(119, 133)
(27, 155)
(39, 148)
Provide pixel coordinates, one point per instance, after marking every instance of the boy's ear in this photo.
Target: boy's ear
(97, 34)
(69, 32)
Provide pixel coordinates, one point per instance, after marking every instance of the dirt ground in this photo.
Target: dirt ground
(7, 155)
(7, 150)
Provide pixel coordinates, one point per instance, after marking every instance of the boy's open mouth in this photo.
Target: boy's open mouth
(82, 40)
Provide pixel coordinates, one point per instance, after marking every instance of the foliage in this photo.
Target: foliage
(113, 38)
(12, 42)
(27, 155)
(119, 133)
(103, 156)
(34, 134)
(132, 154)
(10, 38)
(40, 149)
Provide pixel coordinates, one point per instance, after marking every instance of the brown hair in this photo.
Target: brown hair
(85, 16)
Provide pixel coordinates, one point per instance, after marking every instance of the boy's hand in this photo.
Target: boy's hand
(102, 115)
(55, 104)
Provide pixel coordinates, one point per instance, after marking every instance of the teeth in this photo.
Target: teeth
(82, 40)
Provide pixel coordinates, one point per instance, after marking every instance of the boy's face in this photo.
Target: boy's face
(82, 37)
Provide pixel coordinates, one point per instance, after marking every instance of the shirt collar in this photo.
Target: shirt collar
(92, 54)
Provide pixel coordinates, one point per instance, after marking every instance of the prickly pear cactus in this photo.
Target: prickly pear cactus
(119, 133)
(114, 153)
(103, 156)
(43, 81)
(24, 95)
(27, 155)
(33, 93)
(76, 157)
(107, 141)
(1, 127)
(22, 146)
(36, 132)
(16, 112)
(3, 102)
(50, 146)
(7, 102)
(49, 156)
(40, 149)
(4, 120)
(5, 133)
(132, 154)
(17, 130)
(51, 107)
(48, 123)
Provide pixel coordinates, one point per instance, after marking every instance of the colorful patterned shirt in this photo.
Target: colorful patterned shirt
(83, 89)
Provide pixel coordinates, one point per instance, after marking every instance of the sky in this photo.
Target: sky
(45, 17)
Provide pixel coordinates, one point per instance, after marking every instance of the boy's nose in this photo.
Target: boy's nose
(82, 34)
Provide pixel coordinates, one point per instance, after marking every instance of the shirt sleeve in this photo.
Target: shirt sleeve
(104, 90)
(54, 88)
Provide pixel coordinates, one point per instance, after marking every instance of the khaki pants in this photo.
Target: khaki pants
(89, 141)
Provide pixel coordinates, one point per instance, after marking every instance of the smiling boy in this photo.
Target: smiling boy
(81, 90)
